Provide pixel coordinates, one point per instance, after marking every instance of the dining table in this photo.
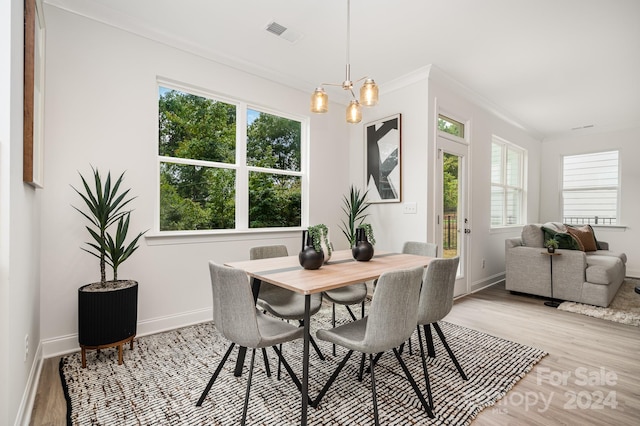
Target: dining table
(341, 270)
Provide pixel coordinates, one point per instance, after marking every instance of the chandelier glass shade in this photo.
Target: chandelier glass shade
(368, 91)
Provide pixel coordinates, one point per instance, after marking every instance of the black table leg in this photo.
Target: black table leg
(255, 289)
(305, 360)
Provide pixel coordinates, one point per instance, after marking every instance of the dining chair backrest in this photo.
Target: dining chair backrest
(420, 248)
(436, 296)
(234, 311)
(394, 310)
(267, 252)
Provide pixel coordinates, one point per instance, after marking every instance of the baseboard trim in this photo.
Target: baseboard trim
(23, 418)
(63, 345)
(487, 282)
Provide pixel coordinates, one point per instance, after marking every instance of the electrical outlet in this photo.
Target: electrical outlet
(409, 208)
(26, 346)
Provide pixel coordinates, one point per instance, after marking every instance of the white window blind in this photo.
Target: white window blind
(590, 188)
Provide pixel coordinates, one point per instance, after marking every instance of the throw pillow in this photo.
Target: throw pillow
(564, 239)
(584, 236)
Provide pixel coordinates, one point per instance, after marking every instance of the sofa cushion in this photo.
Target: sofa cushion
(584, 236)
(532, 236)
(603, 269)
(564, 239)
(606, 253)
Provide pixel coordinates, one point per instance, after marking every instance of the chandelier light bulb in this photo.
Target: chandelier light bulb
(354, 112)
(319, 101)
(369, 93)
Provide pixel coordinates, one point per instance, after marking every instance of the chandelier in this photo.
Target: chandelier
(368, 91)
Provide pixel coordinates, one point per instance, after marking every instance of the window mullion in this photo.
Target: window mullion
(242, 176)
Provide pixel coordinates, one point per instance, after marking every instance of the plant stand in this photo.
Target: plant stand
(107, 318)
(552, 303)
(119, 344)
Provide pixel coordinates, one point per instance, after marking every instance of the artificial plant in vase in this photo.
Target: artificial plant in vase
(107, 309)
(319, 235)
(362, 250)
(354, 207)
(551, 244)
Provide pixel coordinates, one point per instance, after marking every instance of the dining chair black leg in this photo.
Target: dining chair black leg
(215, 375)
(314, 344)
(289, 370)
(426, 406)
(373, 391)
(327, 385)
(353, 317)
(240, 361)
(279, 362)
(246, 395)
(361, 371)
(431, 350)
(424, 369)
(449, 351)
(333, 324)
(266, 362)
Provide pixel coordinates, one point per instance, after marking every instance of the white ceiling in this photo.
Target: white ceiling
(553, 65)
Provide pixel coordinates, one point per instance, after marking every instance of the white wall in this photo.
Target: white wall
(102, 110)
(582, 142)
(19, 233)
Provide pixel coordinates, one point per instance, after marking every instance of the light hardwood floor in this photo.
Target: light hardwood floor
(590, 377)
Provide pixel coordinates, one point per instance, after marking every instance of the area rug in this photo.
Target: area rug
(624, 308)
(163, 376)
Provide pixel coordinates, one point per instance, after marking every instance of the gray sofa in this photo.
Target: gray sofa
(591, 277)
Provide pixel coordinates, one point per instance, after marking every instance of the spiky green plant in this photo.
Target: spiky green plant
(106, 207)
(354, 207)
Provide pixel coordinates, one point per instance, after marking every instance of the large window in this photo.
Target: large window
(590, 188)
(225, 165)
(507, 183)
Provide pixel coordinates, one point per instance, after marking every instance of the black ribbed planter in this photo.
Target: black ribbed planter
(107, 318)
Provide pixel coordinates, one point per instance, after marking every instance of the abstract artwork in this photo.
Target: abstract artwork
(383, 160)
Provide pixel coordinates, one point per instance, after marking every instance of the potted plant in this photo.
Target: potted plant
(368, 232)
(107, 309)
(319, 235)
(551, 245)
(363, 248)
(354, 207)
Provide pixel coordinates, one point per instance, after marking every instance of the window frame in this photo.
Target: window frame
(240, 166)
(504, 182)
(617, 188)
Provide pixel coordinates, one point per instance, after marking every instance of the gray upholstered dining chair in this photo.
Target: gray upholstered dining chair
(237, 319)
(280, 302)
(390, 322)
(421, 249)
(347, 295)
(436, 301)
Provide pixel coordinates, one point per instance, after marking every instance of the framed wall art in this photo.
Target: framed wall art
(33, 140)
(383, 160)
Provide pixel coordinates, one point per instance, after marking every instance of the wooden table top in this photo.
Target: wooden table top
(341, 270)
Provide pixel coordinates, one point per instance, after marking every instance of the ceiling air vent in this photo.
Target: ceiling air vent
(283, 32)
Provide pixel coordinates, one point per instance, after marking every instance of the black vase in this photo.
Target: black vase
(308, 257)
(362, 249)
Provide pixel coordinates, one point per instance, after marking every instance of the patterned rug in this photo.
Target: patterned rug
(624, 308)
(163, 376)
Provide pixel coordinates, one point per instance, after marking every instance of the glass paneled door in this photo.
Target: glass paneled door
(452, 221)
